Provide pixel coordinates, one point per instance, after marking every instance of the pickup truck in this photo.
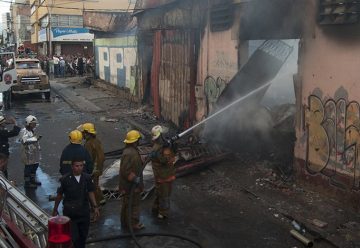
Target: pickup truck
(30, 78)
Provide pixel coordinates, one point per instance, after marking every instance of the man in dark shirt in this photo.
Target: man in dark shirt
(4, 140)
(75, 149)
(77, 190)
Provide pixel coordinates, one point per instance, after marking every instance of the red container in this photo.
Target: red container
(59, 235)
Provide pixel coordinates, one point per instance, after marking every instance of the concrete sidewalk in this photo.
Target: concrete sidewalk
(104, 101)
(323, 219)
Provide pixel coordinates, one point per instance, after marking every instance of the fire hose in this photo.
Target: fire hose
(170, 142)
(132, 234)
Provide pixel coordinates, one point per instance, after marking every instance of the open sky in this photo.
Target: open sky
(4, 7)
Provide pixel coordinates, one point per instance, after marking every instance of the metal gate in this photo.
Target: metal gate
(175, 75)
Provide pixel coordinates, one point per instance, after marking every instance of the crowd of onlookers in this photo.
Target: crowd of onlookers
(67, 65)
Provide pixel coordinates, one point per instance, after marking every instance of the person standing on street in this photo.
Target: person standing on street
(96, 151)
(77, 192)
(56, 66)
(162, 160)
(80, 65)
(30, 153)
(51, 67)
(4, 140)
(62, 67)
(72, 150)
(131, 168)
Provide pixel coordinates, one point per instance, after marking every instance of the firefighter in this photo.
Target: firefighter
(72, 150)
(96, 151)
(4, 140)
(131, 168)
(30, 151)
(162, 160)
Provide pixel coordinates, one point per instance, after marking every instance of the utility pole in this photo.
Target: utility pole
(50, 31)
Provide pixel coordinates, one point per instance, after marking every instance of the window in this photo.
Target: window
(66, 21)
(33, 29)
(44, 22)
(33, 8)
(27, 65)
(221, 17)
(338, 12)
(63, 21)
(76, 21)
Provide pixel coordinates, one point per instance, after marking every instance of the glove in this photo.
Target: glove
(137, 180)
(96, 173)
(153, 155)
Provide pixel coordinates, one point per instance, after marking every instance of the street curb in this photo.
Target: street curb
(64, 93)
(68, 96)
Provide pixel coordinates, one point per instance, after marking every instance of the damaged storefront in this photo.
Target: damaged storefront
(168, 51)
(196, 58)
(115, 47)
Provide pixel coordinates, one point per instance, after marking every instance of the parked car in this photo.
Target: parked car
(30, 78)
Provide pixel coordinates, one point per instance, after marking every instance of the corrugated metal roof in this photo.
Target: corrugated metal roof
(109, 21)
(143, 5)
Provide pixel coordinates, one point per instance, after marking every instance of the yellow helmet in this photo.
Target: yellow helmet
(132, 136)
(88, 127)
(75, 137)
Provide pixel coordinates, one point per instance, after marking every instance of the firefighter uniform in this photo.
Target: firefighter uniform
(30, 151)
(162, 160)
(75, 191)
(69, 153)
(95, 149)
(131, 168)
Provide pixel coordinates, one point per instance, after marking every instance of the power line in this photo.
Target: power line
(78, 8)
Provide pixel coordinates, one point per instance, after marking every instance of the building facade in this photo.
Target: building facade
(20, 22)
(328, 110)
(115, 44)
(57, 26)
(6, 29)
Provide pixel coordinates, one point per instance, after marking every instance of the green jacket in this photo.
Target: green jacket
(131, 163)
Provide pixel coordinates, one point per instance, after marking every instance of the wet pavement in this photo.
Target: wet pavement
(227, 205)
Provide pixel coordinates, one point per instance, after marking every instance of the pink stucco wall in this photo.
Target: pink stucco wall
(328, 96)
(218, 63)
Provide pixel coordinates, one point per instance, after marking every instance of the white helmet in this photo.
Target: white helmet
(31, 119)
(157, 131)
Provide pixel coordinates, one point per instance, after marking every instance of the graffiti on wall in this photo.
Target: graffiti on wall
(212, 90)
(223, 61)
(117, 65)
(333, 146)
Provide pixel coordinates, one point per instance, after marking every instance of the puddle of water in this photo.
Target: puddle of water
(40, 195)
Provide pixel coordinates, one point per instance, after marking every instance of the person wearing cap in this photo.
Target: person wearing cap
(5, 134)
(95, 149)
(30, 151)
(162, 161)
(72, 150)
(131, 169)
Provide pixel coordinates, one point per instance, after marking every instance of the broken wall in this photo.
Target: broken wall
(328, 117)
(218, 60)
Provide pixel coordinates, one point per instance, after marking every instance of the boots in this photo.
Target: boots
(28, 183)
(33, 180)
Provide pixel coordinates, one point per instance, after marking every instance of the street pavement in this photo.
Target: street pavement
(240, 202)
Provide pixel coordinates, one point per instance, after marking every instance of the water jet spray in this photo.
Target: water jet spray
(187, 131)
